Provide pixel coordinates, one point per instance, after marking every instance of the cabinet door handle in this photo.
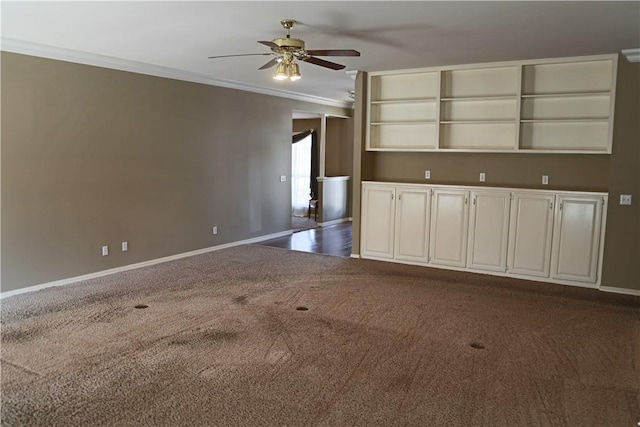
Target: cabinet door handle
(391, 196)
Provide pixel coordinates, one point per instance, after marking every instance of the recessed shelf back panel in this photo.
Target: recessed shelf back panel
(564, 136)
(478, 136)
(504, 109)
(403, 112)
(568, 77)
(404, 86)
(404, 136)
(480, 82)
(584, 107)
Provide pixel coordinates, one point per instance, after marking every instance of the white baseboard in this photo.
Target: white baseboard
(335, 221)
(97, 274)
(356, 256)
(625, 291)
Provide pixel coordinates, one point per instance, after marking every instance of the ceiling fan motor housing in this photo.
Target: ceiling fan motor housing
(288, 44)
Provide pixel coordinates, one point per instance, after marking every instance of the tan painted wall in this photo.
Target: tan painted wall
(362, 159)
(621, 266)
(616, 173)
(93, 156)
(339, 147)
(301, 125)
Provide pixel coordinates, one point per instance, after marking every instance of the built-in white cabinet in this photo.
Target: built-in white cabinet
(536, 234)
(412, 224)
(488, 230)
(555, 105)
(449, 219)
(396, 224)
(378, 214)
(576, 239)
(530, 234)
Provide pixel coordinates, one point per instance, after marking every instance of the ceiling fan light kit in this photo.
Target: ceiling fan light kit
(289, 49)
(294, 72)
(287, 69)
(281, 71)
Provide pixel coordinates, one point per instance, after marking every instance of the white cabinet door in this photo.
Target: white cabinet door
(576, 238)
(449, 218)
(488, 230)
(530, 231)
(378, 217)
(412, 224)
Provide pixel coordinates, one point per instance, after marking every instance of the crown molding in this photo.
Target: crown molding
(633, 55)
(85, 58)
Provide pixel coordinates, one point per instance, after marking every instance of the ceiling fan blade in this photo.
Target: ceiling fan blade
(270, 64)
(270, 44)
(240, 54)
(334, 52)
(323, 63)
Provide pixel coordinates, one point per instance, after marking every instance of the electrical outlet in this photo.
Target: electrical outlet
(125, 246)
(283, 178)
(545, 179)
(482, 177)
(105, 250)
(427, 174)
(625, 199)
(215, 230)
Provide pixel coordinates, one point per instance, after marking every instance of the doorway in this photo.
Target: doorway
(304, 185)
(331, 181)
(303, 199)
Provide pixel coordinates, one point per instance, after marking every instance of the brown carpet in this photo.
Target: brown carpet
(226, 340)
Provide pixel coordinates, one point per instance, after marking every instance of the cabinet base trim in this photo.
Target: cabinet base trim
(625, 291)
(500, 274)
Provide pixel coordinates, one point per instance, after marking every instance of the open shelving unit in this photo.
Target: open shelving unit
(567, 106)
(559, 106)
(478, 108)
(403, 112)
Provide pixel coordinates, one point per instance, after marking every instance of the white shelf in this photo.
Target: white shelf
(477, 122)
(596, 120)
(565, 94)
(425, 122)
(480, 98)
(405, 101)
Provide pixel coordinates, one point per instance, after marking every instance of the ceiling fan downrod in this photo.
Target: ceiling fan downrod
(288, 25)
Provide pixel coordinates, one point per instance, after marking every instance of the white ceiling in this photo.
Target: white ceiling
(389, 34)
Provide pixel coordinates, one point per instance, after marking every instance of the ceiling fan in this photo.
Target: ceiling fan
(288, 49)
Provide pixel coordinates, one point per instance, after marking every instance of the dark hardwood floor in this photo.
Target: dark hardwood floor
(332, 240)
